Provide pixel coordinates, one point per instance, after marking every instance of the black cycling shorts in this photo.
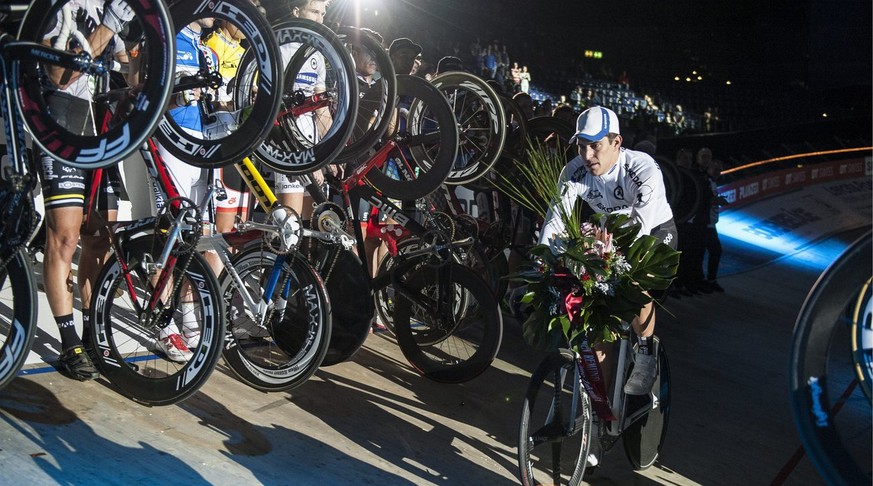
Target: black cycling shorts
(666, 233)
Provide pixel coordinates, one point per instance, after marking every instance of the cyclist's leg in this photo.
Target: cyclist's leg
(95, 243)
(64, 200)
(190, 183)
(646, 364)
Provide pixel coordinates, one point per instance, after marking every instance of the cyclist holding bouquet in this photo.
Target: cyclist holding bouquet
(612, 179)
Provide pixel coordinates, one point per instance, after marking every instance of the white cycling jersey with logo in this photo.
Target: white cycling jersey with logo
(634, 186)
(78, 17)
(310, 79)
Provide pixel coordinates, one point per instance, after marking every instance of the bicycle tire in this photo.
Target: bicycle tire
(820, 316)
(17, 314)
(862, 338)
(130, 128)
(293, 344)
(516, 137)
(643, 439)
(233, 134)
(384, 296)
(553, 382)
(430, 128)
(124, 347)
(349, 288)
(687, 202)
(376, 103)
(288, 147)
(448, 344)
(481, 124)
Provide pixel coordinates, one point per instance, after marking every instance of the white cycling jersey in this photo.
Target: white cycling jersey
(634, 186)
(78, 17)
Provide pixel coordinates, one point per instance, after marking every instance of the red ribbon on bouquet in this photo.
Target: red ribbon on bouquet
(573, 303)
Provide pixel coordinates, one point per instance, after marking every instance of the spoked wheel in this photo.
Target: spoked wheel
(17, 314)
(124, 333)
(319, 99)
(473, 257)
(235, 110)
(53, 126)
(426, 144)
(377, 101)
(279, 345)
(644, 437)
(447, 322)
(555, 432)
(824, 361)
(481, 123)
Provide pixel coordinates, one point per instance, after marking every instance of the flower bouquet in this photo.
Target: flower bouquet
(592, 277)
(583, 287)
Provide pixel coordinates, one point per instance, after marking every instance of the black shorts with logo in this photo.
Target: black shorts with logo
(65, 186)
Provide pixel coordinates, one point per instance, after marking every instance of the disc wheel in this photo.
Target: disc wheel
(643, 438)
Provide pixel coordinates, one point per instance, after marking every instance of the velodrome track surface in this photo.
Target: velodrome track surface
(372, 420)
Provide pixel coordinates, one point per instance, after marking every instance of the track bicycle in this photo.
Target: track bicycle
(24, 61)
(832, 345)
(278, 318)
(446, 318)
(573, 412)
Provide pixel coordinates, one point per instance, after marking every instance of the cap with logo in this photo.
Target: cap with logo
(594, 123)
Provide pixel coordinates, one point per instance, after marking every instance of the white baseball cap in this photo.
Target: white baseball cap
(594, 123)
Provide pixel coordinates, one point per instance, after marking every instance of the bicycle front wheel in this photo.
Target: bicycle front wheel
(447, 322)
(235, 107)
(481, 121)
(555, 431)
(17, 314)
(426, 144)
(278, 344)
(124, 331)
(319, 99)
(67, 26)
(821, 369)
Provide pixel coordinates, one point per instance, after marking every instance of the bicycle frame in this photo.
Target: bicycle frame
(609, 403)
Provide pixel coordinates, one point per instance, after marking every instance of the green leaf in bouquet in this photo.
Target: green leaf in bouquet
(538, 335)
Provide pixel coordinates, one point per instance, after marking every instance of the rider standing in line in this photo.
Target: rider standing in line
(612, 179)
(64, 188)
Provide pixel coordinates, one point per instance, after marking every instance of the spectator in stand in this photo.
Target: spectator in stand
(713, 243)
(516, 78)
(576, 97)
(490, 63)
(524, 80)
